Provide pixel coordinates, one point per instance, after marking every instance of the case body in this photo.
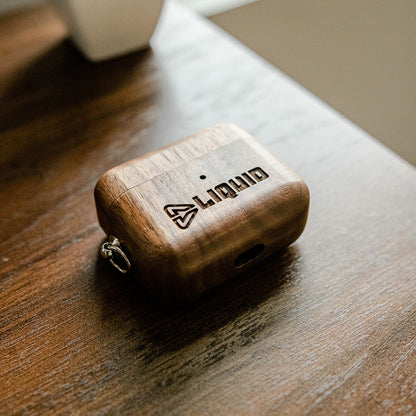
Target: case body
(197, 212)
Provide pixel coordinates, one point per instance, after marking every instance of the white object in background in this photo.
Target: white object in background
(213, 7)
(104, 29)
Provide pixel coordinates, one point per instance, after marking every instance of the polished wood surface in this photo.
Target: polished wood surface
(326, 327)
(185, 226)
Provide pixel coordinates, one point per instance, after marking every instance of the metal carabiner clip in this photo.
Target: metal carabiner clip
(112, 251)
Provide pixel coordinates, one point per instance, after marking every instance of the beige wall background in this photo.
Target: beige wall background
(357, 55)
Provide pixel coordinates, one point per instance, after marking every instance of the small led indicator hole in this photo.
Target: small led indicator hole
(202, 177)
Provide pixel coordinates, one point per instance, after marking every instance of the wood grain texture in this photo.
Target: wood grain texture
(199, 212)
(326, 327)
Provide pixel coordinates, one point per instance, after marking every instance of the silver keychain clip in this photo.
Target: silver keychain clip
(112, 251)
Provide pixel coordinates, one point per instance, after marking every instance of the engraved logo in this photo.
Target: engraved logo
(182, 214)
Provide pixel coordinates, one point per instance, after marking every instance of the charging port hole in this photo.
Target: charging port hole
(248, 255)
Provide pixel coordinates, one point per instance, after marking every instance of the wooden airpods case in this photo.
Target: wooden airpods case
(194, 214)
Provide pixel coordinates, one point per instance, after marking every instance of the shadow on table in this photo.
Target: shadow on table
(70, 96)
(169, 329)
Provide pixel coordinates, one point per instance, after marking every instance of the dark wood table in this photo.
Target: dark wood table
(325, 327)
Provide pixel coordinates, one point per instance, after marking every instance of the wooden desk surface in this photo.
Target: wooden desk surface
(326, 327)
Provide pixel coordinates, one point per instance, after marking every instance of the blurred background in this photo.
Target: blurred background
(358, 56)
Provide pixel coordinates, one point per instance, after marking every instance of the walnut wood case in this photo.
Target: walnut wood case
(198, 212)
